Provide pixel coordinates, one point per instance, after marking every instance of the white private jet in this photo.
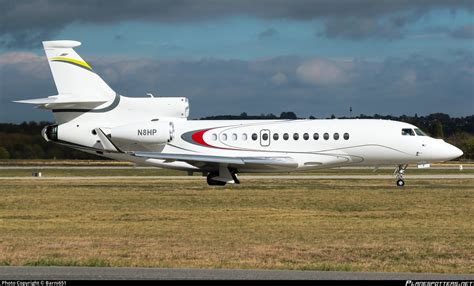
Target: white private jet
(155, 131)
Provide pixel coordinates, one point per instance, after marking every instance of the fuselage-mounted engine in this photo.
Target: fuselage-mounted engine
(143, 133)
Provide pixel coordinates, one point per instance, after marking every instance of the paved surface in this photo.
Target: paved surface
(454, 167)
(77, 273)
(247, 177)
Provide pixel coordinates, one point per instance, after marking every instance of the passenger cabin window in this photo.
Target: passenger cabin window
(285, 136)
(419, 132)
(336, 136)
(346, 136)
(408, 131)
(275, 136)
(265, 136)
(326, 136)
(296, 136)
(254, 136)
(234, 136)
(315, 136)
(306, 136)
(214, 137)
(224, 137)
(244, 136)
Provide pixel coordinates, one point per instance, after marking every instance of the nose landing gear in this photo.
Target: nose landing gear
(400, 183)
(399, 172)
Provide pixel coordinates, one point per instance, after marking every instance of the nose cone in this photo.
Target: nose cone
(439, 151)
(452, 152)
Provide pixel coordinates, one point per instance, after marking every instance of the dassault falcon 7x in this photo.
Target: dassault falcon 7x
(154, 131)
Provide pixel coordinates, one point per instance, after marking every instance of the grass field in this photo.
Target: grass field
(357, 225)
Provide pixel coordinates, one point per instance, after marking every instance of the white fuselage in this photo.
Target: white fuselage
(312, 144)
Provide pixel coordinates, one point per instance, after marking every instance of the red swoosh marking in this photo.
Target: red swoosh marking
(198, 137)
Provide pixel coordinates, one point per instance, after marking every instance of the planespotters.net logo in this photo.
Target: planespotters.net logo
(439, 283)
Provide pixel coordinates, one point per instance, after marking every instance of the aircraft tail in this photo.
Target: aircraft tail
(72, 75)
(77, 83)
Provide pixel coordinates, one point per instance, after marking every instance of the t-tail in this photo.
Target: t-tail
(79, 87)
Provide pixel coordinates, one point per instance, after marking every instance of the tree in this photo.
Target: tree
(438, 129)
(288, 115)
(4, 154)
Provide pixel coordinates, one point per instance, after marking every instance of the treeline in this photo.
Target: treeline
(24, 141)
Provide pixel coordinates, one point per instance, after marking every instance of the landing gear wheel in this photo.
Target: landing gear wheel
(212, 182)
(399, 172)
(400, 183)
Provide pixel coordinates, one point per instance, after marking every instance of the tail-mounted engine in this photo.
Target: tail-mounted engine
(152, 132)
(50, 133)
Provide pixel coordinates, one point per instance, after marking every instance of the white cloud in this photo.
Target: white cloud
(279, 78)
(409, 76)
(19, 57)
(322, 72)
(272, 85)
(26, 62)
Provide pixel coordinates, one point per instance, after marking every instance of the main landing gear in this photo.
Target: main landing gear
(222, 177)
(399, 172)
(211, 179)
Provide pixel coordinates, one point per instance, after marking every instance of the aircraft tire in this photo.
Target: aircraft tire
(400, 183)
(212, 182)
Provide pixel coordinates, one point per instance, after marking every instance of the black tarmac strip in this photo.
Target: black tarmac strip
(126, 273)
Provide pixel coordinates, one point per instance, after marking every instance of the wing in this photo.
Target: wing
(213, 162)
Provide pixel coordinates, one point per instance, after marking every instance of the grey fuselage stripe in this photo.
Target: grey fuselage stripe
(112, 106)
(188, 136)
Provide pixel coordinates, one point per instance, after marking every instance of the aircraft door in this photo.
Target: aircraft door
(265, 137)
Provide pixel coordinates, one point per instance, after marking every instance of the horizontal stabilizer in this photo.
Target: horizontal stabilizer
(64, 101)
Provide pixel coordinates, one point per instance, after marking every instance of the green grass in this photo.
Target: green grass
(347, 225)
(92, 262)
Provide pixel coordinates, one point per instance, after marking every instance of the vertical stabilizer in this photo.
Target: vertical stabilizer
(72, 75)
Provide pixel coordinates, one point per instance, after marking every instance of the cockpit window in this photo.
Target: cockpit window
(408, 131)
(419, 132)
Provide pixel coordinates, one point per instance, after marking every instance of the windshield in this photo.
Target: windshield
(408, 131)
(419, 132)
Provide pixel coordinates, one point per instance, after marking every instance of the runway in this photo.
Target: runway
(454, 167)
(251, 177)
(108, 273)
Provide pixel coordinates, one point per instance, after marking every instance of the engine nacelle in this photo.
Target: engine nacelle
(161, 107)
(151, 132)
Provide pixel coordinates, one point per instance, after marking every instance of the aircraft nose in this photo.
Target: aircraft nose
(453, 152)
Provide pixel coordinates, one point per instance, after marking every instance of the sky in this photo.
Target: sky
(317, 57)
